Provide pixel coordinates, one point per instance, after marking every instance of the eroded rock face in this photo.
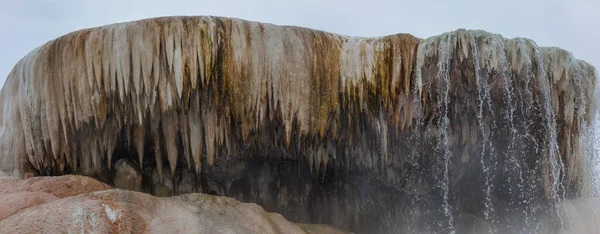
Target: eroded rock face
(390, 133)
(75, 204)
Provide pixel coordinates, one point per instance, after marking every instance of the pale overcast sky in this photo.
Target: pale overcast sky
(571, 24)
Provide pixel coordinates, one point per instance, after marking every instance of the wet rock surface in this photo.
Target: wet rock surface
(76, 204)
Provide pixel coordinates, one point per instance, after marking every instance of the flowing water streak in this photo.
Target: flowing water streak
(483, 95)
(511, 154)
(444, 57)
(526, 109)
(591, 148)
(417, 133)
(553, 153)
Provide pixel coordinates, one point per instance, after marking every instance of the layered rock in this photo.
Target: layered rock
(373, 130)
(74, 204)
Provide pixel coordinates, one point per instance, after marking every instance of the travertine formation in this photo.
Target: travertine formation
(469, 119)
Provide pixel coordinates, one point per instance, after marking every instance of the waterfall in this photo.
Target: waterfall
(557, 166)
(591, 149)
(445, 52)
(515, 103)
(486, 145)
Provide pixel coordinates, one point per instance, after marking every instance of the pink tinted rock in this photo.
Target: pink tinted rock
(59, 186)
(12, 203)
(75, 204)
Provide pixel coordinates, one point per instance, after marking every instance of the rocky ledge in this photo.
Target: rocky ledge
(78, 204)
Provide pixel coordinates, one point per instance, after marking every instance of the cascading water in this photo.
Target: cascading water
(525, 197)
(486, 145)
(514, 86)
(443, 80)
(508, 116)
(557, 167)
(591, 148)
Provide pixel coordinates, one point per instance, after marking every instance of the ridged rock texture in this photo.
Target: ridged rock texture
(388, 134)
(77, 204)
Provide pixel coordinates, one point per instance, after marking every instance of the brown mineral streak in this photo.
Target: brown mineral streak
(208, 82)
